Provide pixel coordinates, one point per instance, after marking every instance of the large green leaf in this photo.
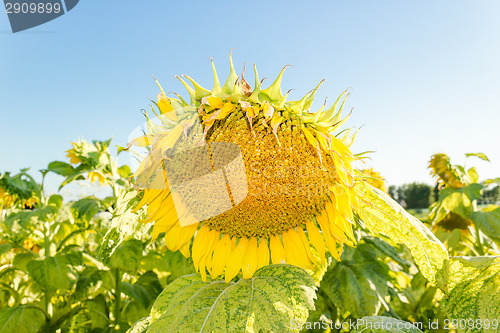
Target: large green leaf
(167, 261)
(22, 319)
(358, 283)
(380, 324)
(474, 292)
(488, 221)
(52, 273)
(127, 256)
(385, 217)
(85, 209)
(269, 301)
(61, 168)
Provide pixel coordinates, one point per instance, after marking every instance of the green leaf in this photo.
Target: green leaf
(380, 324)
(269, 301)
(56, 200)
(22, 319)
(457, 200)
(52, 273)
(145, 289)
(474, 290)
(124, 171)
(85, 209)
(473, 175)
(127, 256)
(167, 261)
(139, 326)
(386, 217)
(61, 168)
(386, 249)
(479, 155)
(488, 221)
(124, 223)
(358, 283)
(98, 312)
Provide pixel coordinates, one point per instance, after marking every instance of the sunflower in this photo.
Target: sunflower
(449, 175)
(302, 191)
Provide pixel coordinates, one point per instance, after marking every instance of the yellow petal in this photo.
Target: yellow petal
(295, 252)
(209, 255)
(142, 141)
(324, 223)
(316, 240)
(214, 101)
(235, 260)
(226, 109)
(179, 236)
(307, 247)
(199, 245)
(203, 271)
(221, 255)
(263, 254)
(185, 250)
(251, 259)
(277, 251)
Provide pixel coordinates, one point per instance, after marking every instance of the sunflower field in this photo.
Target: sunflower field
(247, 213)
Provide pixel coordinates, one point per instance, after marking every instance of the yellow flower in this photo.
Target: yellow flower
(73, 158)
(449, 175)
(301, 186)
(93, 175)
(6, 200)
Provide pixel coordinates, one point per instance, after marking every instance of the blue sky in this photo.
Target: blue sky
(424, 76)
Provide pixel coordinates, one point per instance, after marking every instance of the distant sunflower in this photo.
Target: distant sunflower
(449, 175)
(301, 186)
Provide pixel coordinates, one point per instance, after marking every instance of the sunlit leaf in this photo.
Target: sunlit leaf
(268, 301)
(474, 291)
(22, 319)
(488, 221)
(386, 217)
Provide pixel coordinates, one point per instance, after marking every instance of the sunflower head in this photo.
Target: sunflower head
(449, 175)
(300, 190)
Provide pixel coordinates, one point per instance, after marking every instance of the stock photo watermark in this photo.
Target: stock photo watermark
(26, 14)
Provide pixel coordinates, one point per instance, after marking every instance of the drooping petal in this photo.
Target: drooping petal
(221, 255)
(316, 240)
(263, 254)
(235, 260)
(251, 259)
(278, 255)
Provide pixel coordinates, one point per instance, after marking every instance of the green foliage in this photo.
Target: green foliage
(22, 319)
(474, 292)
(385, 217)
(268, 301)
(51, 275)
(417, 195)
(358, 284)
(488, 221)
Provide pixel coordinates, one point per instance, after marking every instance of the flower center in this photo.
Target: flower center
(287, 184)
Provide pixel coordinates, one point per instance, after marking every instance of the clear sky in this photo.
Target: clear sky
(424, 75)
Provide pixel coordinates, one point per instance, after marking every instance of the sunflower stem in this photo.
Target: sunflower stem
(116, 310)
